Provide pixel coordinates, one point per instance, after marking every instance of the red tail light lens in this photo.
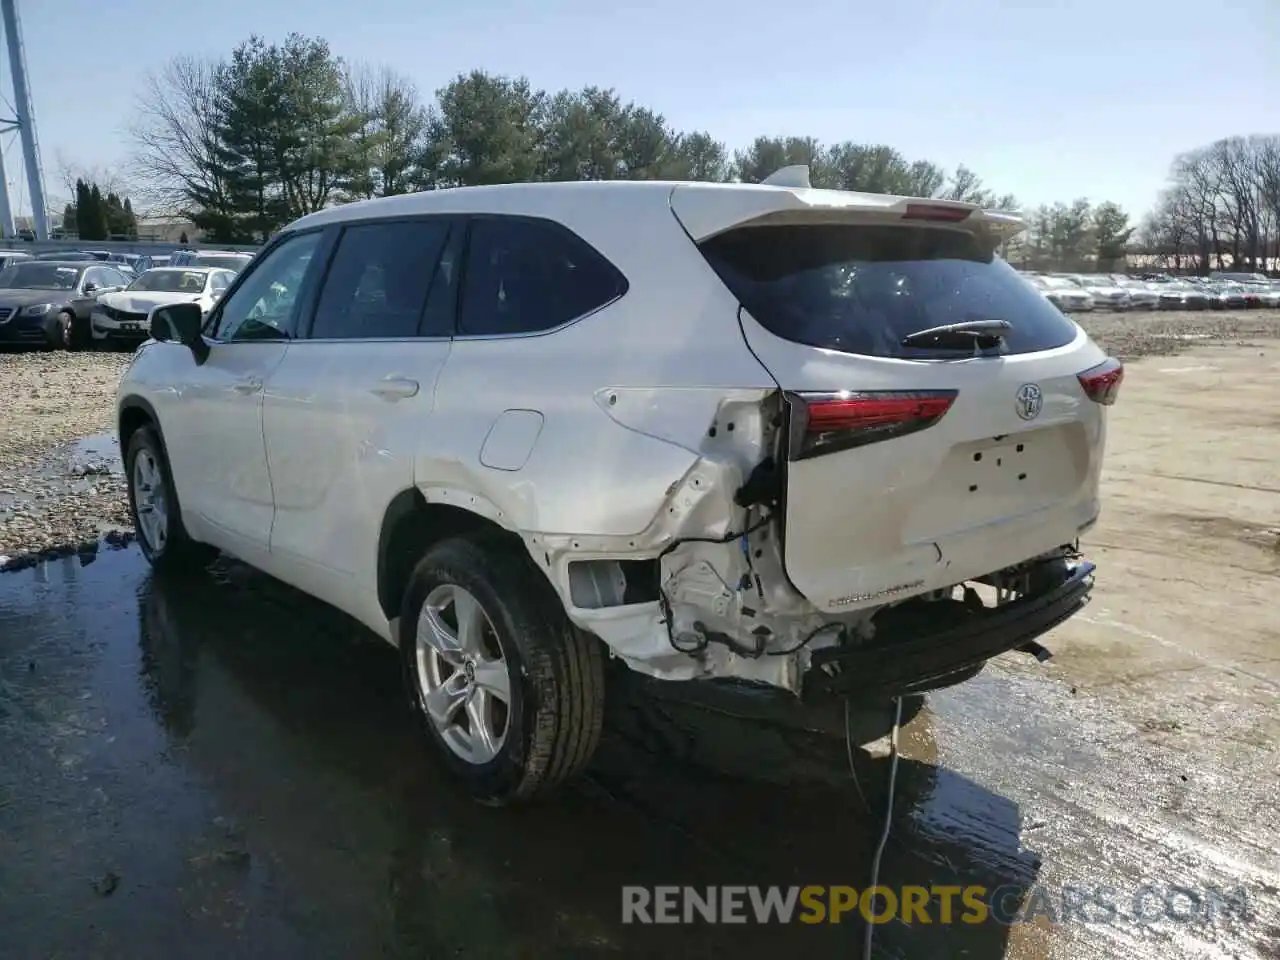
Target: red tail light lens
(1102, 383)
(827, 422)
(936, 211)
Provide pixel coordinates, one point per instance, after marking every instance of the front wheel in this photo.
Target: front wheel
(153, 505)
(69, 337)
(507, 690)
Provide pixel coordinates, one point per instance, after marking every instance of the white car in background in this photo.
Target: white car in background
(126, 314)
(755, 435)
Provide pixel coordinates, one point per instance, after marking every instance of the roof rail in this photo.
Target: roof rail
(796, 175)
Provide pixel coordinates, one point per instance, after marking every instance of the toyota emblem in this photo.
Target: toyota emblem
(1028, 401)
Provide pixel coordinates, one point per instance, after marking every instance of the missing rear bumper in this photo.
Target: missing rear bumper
(902, 660)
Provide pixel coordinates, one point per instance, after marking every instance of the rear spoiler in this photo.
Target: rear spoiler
(708, 209)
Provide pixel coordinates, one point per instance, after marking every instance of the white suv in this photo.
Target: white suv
(744, 434)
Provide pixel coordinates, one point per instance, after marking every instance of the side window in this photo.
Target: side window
(378, 280)
(263, 307)
(96, 276)
(524, 276)
(218, 283)
(116, 279)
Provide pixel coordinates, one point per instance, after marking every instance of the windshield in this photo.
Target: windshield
(170, 281)
(39, 276)
(861, 289)
(1097, 282)
(1060, 283)
(226, 263)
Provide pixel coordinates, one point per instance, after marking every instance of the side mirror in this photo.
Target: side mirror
(181, 323)
(91, 288)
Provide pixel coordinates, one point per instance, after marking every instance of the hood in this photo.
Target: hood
(25, 298)
(143, 301)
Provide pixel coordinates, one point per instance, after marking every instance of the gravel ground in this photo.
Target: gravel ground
(58, 495)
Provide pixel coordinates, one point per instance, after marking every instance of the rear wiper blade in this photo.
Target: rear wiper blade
(969, 332)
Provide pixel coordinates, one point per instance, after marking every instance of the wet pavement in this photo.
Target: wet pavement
(218, 766)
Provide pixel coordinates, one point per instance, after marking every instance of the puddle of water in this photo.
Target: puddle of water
(238, 756)
(99, 454)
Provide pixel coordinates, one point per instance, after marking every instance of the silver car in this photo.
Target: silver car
(1141, 295)
(1067, 296)
(1106, 294)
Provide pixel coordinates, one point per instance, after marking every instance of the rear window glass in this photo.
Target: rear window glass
(861, 289)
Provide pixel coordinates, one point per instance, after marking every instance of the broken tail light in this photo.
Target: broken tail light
(1102, 383)
(828, 422)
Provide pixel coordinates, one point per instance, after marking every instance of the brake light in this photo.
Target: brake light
(827, 422)
(936, 211)
(1102, 383)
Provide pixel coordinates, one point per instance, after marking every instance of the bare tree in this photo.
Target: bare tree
(176, 138)
(389, 141)
(108, 179)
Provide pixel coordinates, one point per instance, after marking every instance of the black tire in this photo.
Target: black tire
(176, 552)
(555, 672)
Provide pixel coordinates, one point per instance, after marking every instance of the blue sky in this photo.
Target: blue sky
(1047, 99)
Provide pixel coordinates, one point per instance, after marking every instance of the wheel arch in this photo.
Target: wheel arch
(133, 413)
(410, 525)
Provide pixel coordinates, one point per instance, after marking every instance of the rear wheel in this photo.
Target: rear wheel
(153, 505)
(506, 689)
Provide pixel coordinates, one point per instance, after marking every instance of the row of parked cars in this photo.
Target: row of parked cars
(76, 299)
(1081, 292)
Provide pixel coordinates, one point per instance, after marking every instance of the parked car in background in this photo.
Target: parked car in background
(12, 256)
(1238, 277)
(48, 302)
(224, 259)
(1181, 295)
(517, 429)
(67, 256)
(1271, 294)
(1253, 293)
(1066, 295)
(1141, 295)
(1107, 295)
(1232, 295)
(124, 315)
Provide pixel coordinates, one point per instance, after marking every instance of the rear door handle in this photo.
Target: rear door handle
(395, 388)
(247, 385)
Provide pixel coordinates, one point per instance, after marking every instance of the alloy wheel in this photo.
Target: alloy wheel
(150, 500)
(463, 681)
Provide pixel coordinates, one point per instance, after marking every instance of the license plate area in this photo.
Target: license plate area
(993, 480)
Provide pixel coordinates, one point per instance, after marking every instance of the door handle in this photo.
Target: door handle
(247, 385)
(395, 388)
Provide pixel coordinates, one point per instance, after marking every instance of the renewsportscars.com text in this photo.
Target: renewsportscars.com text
(938, 904)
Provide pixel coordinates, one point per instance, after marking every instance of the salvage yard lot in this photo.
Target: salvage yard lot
(1145, 753)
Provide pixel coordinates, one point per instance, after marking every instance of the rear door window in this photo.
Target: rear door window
(861, 289)
(526, 276)
(379, 279)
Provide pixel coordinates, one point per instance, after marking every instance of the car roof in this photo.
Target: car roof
(706, 207)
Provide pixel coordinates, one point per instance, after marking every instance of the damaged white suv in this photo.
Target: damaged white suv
(728, 433)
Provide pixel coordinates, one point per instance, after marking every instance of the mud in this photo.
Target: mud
(218, 766)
